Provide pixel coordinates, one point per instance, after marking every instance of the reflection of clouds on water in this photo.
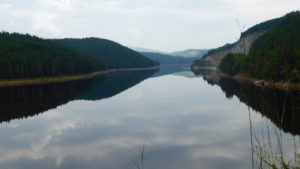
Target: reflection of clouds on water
(186, 125)
(135, 94)
(9, 125)
(51, 114)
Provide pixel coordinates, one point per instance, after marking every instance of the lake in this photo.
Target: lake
(184, 121)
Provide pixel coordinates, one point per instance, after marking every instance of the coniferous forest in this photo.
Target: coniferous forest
(111, 53)
(23, 56)
(27, 56)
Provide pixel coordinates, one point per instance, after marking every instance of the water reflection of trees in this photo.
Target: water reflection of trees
(281, 107)
(25, 101)
(211, 76)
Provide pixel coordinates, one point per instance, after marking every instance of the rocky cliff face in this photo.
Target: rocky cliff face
(242, 46)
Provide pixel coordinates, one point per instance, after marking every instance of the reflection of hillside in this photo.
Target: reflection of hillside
(209, 75)
(281, 107)
(186, 74)
(169, 69)
(25, 101)
(115, 83)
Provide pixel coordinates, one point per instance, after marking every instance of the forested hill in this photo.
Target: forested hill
(24, 56)
(264, 26)
(111, 53)
(215, 56)
(274, 56)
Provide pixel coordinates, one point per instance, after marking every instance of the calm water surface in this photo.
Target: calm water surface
(183, 121)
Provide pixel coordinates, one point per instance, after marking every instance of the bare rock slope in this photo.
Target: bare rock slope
(242, 46)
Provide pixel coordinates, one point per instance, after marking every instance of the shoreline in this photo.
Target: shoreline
(262, 83)
(65, 78)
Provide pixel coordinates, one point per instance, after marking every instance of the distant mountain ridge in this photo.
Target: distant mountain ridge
(141, 50)
(190, 53)
(179, 57)
(164, 59)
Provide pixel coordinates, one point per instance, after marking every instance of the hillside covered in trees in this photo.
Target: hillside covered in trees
(214, 57)
(264, 26)
(111, 53)
(23, 56)
(27, 56)
(273, 56)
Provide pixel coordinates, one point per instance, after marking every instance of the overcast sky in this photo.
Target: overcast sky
(166, 25)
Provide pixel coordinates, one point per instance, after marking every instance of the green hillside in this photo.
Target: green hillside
(259, 28)
(24, 56)
(264, 26)
(275, 55)
(111, 53)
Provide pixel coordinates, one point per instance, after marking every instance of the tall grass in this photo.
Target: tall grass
(272, 153)
(140, 165)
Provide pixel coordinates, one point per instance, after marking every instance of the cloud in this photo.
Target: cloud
(162, 24)
(44, 22)
(135, 33)
(64, 4)
(5, 6)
